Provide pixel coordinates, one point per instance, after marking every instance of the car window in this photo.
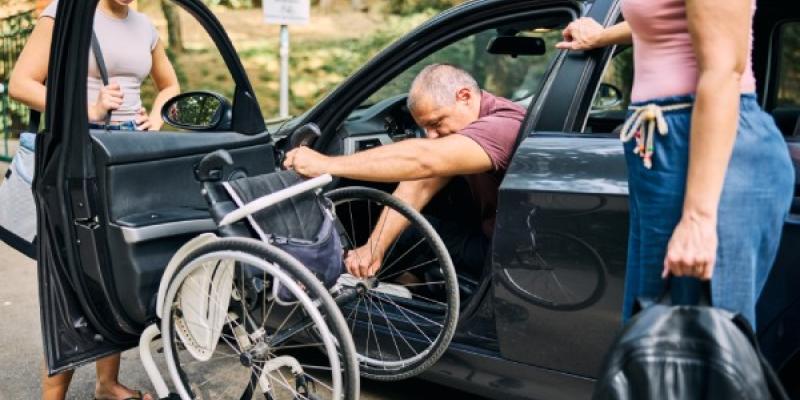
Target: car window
(618, 75)
(197, 61)
(613, 95)
(789, 67)
(516, 78)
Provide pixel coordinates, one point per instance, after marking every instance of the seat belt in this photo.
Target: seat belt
(797, 128)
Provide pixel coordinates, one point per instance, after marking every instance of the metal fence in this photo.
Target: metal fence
(14, 32)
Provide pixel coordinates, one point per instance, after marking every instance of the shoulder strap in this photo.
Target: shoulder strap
(101, 66)
(34, 118)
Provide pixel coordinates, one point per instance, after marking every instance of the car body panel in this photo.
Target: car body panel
(559, 252)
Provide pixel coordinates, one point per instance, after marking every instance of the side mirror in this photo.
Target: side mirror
(608, 98)
(517, 46)
(198, 111)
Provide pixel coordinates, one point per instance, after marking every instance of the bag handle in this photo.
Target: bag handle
(101, 66)
(665, 299)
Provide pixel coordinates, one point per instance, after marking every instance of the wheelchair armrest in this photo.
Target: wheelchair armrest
(273, 198)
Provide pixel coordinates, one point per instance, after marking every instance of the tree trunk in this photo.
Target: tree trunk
(175, 38)
(359, 5)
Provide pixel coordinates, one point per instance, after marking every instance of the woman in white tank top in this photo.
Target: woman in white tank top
(131, 51)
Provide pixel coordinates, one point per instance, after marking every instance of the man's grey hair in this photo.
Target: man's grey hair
(440, 82)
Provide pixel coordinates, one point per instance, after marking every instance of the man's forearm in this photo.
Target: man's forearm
(401, 161)
(391, 224)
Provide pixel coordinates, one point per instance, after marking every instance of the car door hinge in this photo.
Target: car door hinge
(91, 223)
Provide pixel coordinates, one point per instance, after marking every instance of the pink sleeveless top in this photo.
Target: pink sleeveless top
(664, 59)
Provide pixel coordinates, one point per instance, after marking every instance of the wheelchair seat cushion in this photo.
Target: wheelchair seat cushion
(303, 226)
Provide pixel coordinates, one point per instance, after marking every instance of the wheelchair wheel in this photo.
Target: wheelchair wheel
(400, 326)
(226, 337)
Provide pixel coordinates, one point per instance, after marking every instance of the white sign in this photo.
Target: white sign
(287, 12)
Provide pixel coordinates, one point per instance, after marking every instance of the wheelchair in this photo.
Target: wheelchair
(263, 307)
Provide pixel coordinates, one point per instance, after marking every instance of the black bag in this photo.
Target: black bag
(687, 352)
(17, 207)
(303, 226)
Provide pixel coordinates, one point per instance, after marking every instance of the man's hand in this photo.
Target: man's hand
(364, 262)
(142, 121)
(307, 162)
(582, 34)
(109, 98)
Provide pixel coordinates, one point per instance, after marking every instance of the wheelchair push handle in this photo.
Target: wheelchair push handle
(275, 198)
(209, 169)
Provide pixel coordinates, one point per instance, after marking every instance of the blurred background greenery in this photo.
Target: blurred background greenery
(342, 36)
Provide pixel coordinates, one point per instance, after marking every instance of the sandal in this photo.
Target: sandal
(138, 396)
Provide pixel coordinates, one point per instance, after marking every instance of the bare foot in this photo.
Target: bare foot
(118, 392)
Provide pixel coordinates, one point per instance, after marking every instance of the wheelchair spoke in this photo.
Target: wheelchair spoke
(383, 270)
(403, 311)
(391, 326)
(372, 326)
(398, 273)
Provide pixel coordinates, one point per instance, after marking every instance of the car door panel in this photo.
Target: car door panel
(152, 206)
(559, 251)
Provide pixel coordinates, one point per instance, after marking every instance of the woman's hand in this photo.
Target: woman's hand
(142, 120)
(692, 250)
(365, 261)
(582, 34)
(108, 98)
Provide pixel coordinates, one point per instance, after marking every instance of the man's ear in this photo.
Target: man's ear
(464, 95)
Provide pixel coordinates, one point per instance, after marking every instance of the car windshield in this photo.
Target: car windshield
(516, 77)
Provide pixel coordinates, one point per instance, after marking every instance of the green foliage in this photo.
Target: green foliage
(404, 7)
(14, 32)
(229, 3)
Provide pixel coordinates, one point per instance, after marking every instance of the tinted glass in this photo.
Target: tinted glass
(789, 75)
(516, 78)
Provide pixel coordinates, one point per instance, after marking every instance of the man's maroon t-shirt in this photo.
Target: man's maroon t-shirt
(496, 131)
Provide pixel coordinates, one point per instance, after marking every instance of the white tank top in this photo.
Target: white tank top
(127, 45)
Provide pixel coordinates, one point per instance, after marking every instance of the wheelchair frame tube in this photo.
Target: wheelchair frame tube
(149, 365)
(274, 198)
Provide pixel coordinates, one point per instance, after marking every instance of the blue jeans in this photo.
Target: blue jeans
(755, 201)
(122, 126)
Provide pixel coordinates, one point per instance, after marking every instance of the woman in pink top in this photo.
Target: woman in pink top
(710, 176)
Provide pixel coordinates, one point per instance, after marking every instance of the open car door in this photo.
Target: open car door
(113, 208)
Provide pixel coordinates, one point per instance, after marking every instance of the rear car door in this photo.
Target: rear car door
(561, 235)
(777, 59)
(561, 243)
(114, 207)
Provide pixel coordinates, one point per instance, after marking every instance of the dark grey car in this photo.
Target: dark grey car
(535, 324)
